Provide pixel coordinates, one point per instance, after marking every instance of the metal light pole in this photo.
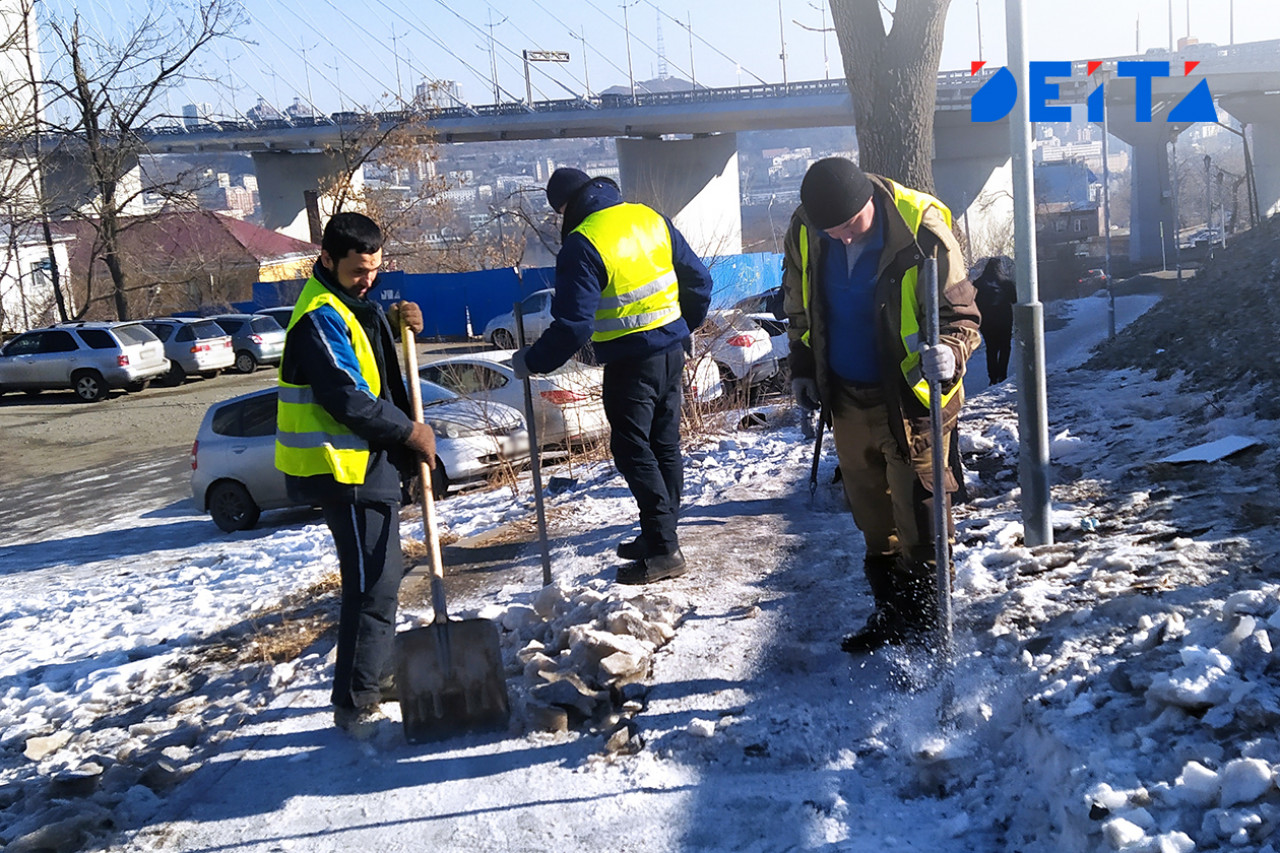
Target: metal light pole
(1106, 217)
(626, 28)
(977, 6)
(782, 37)
(586, 72)
(693, 77)
(1028, 314)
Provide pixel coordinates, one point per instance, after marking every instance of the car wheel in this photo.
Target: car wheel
(30, 392)
(245, 362)
(135, 387)
(88, 385)
(231, 506)
(211, 374)
(502, 339)
(439, 481)
(176, 375)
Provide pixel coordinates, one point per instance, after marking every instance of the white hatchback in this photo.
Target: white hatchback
(233, 470)
(568, 402)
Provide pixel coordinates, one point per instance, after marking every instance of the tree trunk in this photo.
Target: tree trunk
(892, 76)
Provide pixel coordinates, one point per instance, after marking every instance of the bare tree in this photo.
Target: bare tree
(110, 89)
(892, 67)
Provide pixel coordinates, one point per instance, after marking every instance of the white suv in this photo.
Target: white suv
(89, 358)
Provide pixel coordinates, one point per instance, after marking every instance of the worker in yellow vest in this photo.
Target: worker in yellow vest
(851, 288)
(627, 281)
(345, 440)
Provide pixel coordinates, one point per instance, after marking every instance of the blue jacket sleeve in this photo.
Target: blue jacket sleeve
(580, 279)
(694, 278)
(319, 352)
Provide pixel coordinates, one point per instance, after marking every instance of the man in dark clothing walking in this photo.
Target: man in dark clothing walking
(996, 295)
(627, 281)
(343, 438)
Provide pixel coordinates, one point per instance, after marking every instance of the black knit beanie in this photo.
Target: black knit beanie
(833, 191)
(562, 185)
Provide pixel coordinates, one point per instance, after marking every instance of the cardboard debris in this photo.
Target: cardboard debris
(1212, 451)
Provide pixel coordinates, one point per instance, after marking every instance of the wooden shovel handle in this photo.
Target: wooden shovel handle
(428, 496)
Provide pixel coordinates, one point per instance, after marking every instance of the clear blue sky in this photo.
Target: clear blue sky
(349, 52)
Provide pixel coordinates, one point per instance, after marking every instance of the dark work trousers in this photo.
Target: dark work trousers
(998, 340)
(642, 401)
(367, 537)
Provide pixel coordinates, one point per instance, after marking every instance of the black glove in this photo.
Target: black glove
(518, 366)
(806, 393)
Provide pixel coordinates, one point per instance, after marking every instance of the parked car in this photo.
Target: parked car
(257, 339)
(702, 382)
(89, 358)
(282, 314)
(567, 402)
(192, 346)
(1091, 282)
(536, 308)
(740, 348)
(769, 302)
(234, 476)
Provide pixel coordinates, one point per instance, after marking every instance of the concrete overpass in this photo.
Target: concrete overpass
(696, 178)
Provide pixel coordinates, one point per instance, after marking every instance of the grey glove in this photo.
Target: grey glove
(518, 366)
(938, 363)
(806, 393)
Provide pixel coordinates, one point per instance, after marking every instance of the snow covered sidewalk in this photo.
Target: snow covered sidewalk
(1113, 691)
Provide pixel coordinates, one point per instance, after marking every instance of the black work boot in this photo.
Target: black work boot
(633, 549)
(655, 567)
(885, 626)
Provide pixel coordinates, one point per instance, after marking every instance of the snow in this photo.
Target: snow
(1115, 690)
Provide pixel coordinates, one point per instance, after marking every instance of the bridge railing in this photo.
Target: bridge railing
(954, 88)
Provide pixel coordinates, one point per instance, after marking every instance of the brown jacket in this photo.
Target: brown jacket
(958, 315)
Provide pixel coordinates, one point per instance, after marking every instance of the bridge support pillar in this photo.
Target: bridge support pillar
(973, 175)
(1152, 232)
(285, 178)
(1261, 112)
(692, 181)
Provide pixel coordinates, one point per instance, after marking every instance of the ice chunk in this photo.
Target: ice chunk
(1121, 833)
(1198, 785)
(699, 727)
(1244, 780)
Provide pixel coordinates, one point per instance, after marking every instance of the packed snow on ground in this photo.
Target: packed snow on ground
(1113, 691)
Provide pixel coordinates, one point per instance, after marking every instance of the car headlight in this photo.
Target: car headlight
(449, 429)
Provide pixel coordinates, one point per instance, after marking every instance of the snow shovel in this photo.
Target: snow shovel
(449, 674)
(942, 550)
(535, 457)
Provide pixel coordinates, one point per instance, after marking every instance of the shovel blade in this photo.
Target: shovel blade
(450, 680)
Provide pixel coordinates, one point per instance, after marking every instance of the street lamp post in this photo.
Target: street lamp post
(626, 29)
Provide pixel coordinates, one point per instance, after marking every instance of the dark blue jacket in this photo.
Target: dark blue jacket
(318, 352)
(581, 278)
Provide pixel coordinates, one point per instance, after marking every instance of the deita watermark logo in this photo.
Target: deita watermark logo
(997, 96)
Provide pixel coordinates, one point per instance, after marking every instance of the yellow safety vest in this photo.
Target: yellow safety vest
(308, 439)
(911, 204)
(642, 292)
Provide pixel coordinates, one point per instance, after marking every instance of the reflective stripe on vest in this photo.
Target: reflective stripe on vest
(642, 292)
(912, 205)
(308, 439)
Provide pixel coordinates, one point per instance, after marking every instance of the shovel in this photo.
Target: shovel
(535, 457)
(449, 674)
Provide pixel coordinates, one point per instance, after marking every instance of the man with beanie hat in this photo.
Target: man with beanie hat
(851, 287)
(627, 281)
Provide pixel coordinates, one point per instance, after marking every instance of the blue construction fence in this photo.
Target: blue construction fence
(455, 304)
